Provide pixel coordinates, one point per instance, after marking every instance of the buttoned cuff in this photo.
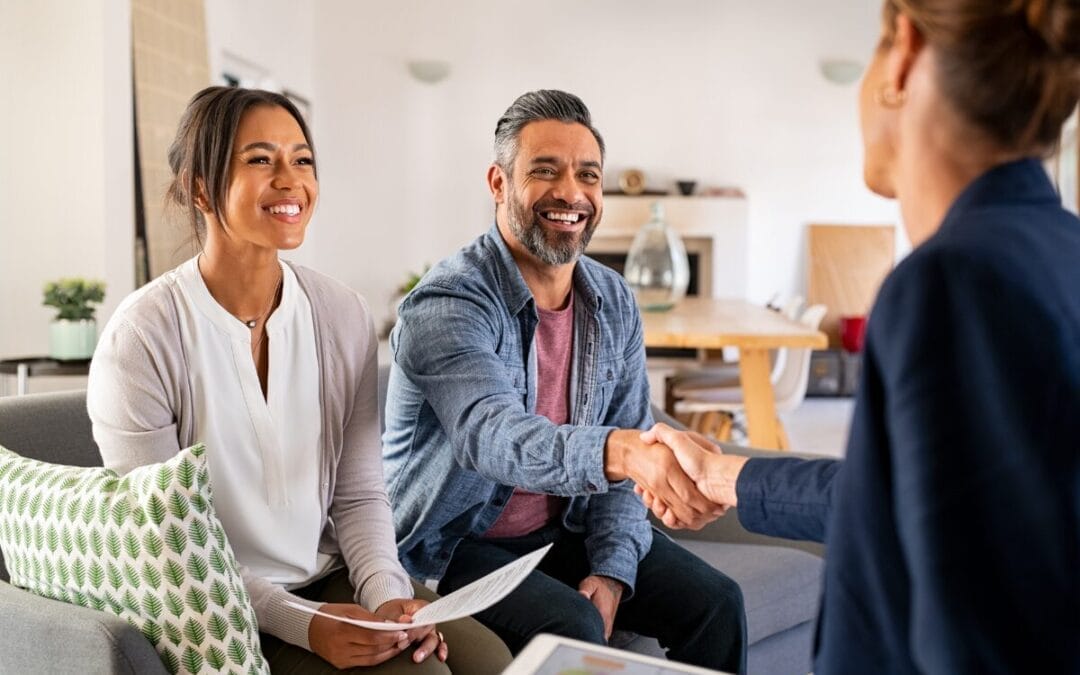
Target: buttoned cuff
(584, 460)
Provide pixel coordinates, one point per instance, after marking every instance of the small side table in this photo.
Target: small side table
(25, 368)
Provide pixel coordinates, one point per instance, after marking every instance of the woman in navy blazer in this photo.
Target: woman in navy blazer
(953, 526)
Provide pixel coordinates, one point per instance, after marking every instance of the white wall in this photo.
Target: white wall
(723, 91)
(66, 166)
(275, 35)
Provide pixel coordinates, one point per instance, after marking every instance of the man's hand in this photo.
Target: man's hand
(401, 611)
(346, 646)
(714, 473)
(655, 468)
(604, 593)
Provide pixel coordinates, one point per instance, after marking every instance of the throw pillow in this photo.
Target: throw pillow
(146, 547)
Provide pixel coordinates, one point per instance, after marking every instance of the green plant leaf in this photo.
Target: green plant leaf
(52, 540)
(219, 535)
(103, 512)
(131, 603)
(196, 599)
(178, 506)
(66, 541)
(113, 603)
(109, 486)
(62, 573)
(175, 539)
(168, 658)
(131, 575)
(138, 516)
(153, 543)
(192, 660)
(174, 573)
(131, 545)
(39, 536)
(96, 574)
(80, 541)
(219, 593)
(35, 504)
(155, 508)
(185, 473)
(78, 572)
(237, 620)
(174, 603)
(152, 631)
(120, 512)
(112, 543)
(151, 576)
(151, 604)
(215, 658)
(197, 567)
(116, 579)
(194, 631)
(164, 477)
(218, 627)
(87, 514)
(198, 533)
(217, 561)
(47, 506)
(97, 544)
(237, 652)
(198, 502)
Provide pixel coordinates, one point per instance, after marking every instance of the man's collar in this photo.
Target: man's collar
(518, 293)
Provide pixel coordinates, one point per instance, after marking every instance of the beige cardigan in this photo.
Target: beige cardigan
(140, 402)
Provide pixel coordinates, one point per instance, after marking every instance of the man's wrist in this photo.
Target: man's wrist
(615, 449)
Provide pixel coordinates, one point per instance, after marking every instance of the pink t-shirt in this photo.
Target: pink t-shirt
(528, 511)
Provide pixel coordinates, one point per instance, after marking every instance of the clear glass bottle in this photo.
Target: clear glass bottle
(657, 268)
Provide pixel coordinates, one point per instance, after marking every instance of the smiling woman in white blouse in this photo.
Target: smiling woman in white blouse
(273, 367)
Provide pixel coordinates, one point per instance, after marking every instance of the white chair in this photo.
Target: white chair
(711, 410)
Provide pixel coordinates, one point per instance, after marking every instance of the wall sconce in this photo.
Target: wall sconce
(429, 71)
(840, 71)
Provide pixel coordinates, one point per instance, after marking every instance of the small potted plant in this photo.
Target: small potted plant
(73, 334)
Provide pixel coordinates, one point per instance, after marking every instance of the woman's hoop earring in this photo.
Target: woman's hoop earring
(890, 98)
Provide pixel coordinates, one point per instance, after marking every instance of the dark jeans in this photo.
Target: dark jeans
(694, 611)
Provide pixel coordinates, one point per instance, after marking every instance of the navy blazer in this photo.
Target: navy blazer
(953, 526)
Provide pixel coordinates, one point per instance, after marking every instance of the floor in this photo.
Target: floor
(820, 426)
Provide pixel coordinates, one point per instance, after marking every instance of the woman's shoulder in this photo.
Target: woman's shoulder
(335, 306)
(149, 309)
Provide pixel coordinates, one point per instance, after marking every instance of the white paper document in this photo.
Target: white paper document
(466, 601)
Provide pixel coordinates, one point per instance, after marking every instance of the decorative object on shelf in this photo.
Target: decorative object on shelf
(840, 71)
(686, 187)
(73, 334)
(632, 181)
(657, 268)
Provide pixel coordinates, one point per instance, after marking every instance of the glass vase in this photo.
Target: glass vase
(657, 268)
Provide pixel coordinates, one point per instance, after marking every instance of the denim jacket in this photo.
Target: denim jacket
(461, 427)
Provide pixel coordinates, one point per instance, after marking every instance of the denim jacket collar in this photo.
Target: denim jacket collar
(519, 295)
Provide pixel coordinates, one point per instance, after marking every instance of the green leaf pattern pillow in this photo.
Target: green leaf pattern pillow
(146, 547)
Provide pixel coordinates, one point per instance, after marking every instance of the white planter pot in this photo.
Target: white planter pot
(72, 340)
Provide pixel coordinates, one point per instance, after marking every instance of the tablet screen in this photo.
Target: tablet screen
(570, 660)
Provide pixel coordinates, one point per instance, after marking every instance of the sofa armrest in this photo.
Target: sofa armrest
(39, 635)
(728, 529)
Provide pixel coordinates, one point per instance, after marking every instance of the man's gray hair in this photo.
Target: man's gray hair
(544, 104)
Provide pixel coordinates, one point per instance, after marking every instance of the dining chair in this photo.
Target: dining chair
(712, 410)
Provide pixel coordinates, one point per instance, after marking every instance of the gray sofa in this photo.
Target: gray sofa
(781, 581)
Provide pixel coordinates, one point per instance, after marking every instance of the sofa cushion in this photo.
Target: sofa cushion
(781, 587)
(146, 547)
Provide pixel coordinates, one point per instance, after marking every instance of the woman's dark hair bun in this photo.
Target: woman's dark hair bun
(1057, 22)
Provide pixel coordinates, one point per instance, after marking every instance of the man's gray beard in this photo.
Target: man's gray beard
(560, 248)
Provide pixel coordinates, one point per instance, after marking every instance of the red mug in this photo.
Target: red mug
(852, 331)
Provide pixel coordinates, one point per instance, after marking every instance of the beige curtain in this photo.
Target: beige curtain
(170, 64)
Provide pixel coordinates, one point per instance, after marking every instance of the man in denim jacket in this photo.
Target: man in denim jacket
(513, 417)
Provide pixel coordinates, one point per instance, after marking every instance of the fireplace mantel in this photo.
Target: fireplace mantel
(713, 227)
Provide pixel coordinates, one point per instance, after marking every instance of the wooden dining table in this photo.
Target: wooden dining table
(715, 323)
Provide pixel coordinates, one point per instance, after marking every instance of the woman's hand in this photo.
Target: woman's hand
(714, 473)
(345, 645)
(431, 640)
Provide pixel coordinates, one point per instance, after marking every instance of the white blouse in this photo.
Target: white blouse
(263, 453)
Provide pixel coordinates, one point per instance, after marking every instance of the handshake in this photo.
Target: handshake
(683, 477)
